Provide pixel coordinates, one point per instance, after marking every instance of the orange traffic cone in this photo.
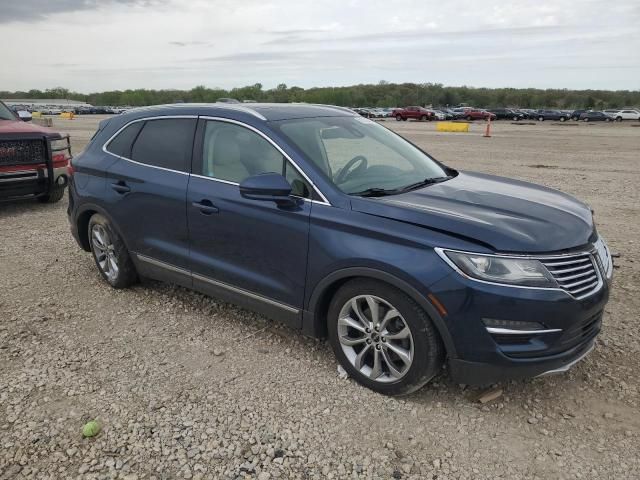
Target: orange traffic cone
(487, 132)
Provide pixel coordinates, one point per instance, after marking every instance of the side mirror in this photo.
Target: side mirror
(268, 186)
(24, 115)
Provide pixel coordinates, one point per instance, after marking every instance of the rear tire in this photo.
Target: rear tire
(541, 119)
(469, 118)
(618, 119)
(408, 348)
(586, 119)
(55, 195)
(423, 118)
(110, 253)
(563, 119)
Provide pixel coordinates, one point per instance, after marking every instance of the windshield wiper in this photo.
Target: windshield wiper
(375, 192)
(382, 192)
(423, 183)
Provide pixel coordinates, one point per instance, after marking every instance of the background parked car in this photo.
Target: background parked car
(596, 117)
(507, 114)
(575, 115)
(417, 113)
(471, 114)
(627, 114)
(552, 115)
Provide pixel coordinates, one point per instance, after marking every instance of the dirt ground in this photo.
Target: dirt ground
(188, 387)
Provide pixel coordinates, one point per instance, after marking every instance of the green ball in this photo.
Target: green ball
(91, 429)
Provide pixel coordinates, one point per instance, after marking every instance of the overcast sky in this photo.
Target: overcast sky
(95, 45)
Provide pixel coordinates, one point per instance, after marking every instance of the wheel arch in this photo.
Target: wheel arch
(82, 223)
(314, 318)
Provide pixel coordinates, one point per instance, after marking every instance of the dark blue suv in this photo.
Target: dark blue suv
(333, 224)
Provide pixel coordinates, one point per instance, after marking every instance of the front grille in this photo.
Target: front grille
(575, 274)
(22, 152)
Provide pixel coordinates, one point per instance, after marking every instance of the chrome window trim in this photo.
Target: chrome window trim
(509, 331)
(324, 200)
(277, 147)
(196, 276)
(590, 253)
(160, 117)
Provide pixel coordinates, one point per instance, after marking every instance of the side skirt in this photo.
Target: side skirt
(158, 270)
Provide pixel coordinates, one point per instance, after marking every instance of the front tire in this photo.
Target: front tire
(55, 195)
(563, 119)
(110, 253)
(541, 119)
(618, 119)
(383, 338)
(398, 117)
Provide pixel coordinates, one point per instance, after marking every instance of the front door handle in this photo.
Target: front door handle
(120, 187)
(206, 207)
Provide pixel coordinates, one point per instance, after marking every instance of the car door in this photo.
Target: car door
(251, 252)
(147, 190)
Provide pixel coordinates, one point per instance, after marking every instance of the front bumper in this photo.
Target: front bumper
(484, 355)
(478, 373)
(30, 182)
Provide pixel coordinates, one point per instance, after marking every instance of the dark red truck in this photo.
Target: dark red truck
(33, 160)
(417, 113)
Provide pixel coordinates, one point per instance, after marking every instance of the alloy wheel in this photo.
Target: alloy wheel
(375, 338)
(104, 252)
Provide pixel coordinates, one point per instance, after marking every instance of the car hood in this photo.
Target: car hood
(503, 214)
(13, 127)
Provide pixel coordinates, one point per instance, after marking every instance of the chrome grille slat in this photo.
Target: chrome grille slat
(550, 263)
(581, 282)
(569, 270)
(575, 274)
(573, 277)
(593, 285)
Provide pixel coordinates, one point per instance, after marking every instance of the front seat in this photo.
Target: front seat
(224, 158)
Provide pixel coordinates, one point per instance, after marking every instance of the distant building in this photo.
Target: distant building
(41, 102)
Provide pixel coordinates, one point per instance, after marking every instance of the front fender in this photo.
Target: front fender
(314, 321)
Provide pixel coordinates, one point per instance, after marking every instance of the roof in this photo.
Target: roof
(263, 111)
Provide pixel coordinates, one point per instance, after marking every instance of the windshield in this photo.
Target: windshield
(361, 156)
(5, 113)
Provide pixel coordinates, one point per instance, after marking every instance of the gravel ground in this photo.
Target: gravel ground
(188, 387)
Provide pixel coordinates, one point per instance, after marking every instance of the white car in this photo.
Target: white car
(626, 115)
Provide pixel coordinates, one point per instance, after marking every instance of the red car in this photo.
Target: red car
(33, 160)
(477, 114)
(417, 113)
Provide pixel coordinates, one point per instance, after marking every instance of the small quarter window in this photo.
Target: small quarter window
(121, 144)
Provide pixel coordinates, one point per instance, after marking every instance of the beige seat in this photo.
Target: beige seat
(224, 159)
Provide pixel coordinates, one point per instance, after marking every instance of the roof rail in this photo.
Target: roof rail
(343, 109)
(240, 108)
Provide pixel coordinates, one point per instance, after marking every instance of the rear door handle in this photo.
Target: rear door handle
(206, 207)
(120, 187)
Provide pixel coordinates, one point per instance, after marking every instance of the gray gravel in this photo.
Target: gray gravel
(188, 387)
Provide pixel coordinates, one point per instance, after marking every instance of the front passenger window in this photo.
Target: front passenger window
(232, 153)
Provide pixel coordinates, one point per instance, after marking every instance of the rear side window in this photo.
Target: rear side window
(121, 144)
(165, 143)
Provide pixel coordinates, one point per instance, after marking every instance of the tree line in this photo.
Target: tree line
(382, 94)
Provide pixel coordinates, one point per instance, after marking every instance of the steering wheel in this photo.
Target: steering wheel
(349, 169)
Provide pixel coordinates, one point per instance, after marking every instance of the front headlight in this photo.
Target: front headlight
(506, 270)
